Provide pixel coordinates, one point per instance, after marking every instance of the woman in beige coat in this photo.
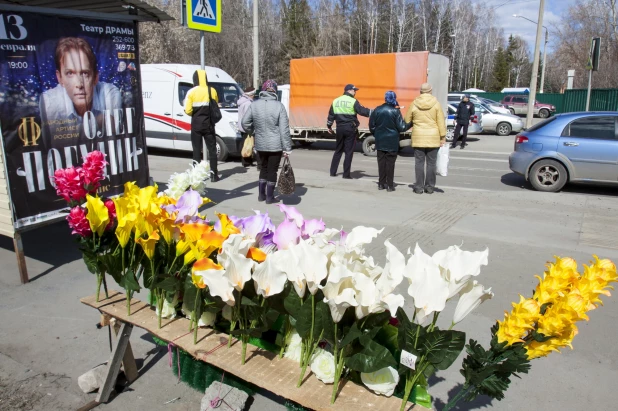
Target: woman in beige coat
(428, 135)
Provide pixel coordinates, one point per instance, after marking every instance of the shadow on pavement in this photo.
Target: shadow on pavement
(479, 402)
(52, 244)
(294, 199)
(358, 174)
(515, 180)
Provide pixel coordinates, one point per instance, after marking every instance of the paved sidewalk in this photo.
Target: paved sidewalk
(48, 338)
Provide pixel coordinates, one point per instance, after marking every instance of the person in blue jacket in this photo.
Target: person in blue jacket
(386, 123)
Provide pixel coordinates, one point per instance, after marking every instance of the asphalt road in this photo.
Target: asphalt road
(48, 338)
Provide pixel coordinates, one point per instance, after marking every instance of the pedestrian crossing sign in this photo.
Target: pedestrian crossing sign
(204, 15)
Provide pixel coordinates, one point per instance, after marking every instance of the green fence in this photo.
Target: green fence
(571, 100)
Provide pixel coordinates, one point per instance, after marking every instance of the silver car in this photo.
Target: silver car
(501, 124)
(455, 98)
(475, 127)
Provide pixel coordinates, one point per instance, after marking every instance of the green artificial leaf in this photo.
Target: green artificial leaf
(90, 259)
(246, 301)
(420, 396)
(352, 334)
(169, 284)
(292, 302)
(441, 347)
(129, 282)
(304, 318)
(189, 295)
(376, 320)
(540, 337)
(371, 358)
(328, 325)
(407, 334)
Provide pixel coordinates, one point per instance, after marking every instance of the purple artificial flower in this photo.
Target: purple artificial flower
(313, 227)
(291, 213)
(286, 235)
(255, 225)
(187, 206)
(343, 238)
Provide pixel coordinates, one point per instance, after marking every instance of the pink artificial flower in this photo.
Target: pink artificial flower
(93, 170)
(78, 222)
(69, 184)
(111, 210)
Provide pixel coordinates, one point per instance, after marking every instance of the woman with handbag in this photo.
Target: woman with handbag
(386, 123)
(243, 105)
(268, 121)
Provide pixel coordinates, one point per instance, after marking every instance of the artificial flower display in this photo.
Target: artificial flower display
(313, 293)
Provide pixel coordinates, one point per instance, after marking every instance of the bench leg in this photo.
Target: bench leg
(118, 354)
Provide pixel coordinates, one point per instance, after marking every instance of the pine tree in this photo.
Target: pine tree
(500, 75)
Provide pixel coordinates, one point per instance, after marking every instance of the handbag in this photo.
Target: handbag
(442, 161)
(215, 112)
(287, 182)
(247, 147)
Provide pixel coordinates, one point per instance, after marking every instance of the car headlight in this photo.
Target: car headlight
(234, 125)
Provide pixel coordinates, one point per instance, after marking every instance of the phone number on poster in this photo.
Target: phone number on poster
(125, 47)
(117, 39)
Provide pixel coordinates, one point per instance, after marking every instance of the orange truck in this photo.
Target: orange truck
(315, 82)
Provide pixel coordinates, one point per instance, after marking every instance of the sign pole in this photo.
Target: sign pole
(589, 89)
(535, 66)
(203, 64)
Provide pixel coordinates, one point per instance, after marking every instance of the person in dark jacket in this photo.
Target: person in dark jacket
(344, 111)
(465, 111)
(268, 121)
(197, 105)
(386, 123)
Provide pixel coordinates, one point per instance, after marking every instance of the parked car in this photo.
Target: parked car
(495, 105)
(455, 98)
(570, 147)
(475, 127)
(518, 104)
(499, 123)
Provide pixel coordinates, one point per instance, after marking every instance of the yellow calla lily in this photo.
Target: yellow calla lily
(130, 189)
(124, 229)
(227, 227)
(182, 247)
(123, 207)
(194, 231)
(210, 242)
(256, 255)
(168, 228)
(198, 280)
(98, 215)
(149, 244)
(146, 197)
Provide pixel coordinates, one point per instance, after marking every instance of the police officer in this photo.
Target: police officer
(465, 111)
(344, 110)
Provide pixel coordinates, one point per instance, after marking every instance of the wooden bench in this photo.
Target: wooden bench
(262, 368)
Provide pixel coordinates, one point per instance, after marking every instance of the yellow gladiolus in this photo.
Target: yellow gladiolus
(124, 229)
(149, 244)
(519, 321)
(98, 215)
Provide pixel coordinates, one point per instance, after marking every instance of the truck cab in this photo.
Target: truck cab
(164, 88)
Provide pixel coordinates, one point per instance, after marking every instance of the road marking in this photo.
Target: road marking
(488, 152)
(477, 159)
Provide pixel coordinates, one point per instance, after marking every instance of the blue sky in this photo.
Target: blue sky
(530, 9)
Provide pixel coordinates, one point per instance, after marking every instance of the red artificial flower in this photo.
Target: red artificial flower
(93, 170)
(111, 210)
(78, 222)
(69, 184)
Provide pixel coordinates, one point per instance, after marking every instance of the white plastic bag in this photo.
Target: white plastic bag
(442, 162)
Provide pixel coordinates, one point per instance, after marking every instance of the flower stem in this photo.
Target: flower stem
(337, 361)
(128, 294)
(160, 300)
(196, 315)
(105, 285)
(232, 327)
(99, 279)
(244, 349)
(308, 345)
(286, 334)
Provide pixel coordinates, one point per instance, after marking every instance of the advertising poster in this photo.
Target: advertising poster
(69, 86)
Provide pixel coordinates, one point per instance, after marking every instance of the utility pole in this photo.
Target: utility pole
(535, 66)
(544, 63)
(256, 56)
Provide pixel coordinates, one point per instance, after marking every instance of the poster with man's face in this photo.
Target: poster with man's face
(70, 86)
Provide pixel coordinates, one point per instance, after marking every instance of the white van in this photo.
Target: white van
(164, 87)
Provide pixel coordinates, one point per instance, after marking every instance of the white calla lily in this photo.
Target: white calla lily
(312, 263)
(381, 382)
(215, 279)
(360, 236)
(471, 296)
(392, 275)
(460, 264)
(288, 262)
(233, 258)
(268, 277)
(339, 291)
(429, 290)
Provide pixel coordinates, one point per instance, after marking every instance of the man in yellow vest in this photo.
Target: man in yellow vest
(344, 111)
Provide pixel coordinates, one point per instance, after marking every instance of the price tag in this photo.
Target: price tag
(408, 359)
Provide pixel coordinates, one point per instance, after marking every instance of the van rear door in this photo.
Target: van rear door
(182, 134)
(157, 92)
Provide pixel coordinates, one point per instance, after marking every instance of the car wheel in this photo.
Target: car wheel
(450, 134)
(222, 151)
(548, 175)
(512, 110)
(503, 129)
(543, 113)
(369, 146)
